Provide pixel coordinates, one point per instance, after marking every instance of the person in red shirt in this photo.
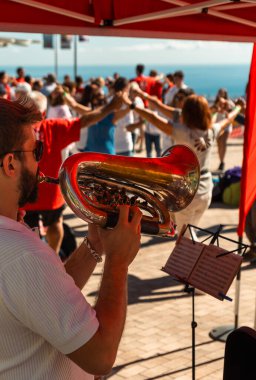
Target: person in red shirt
(20, 75)
(143, 81)
(56, 134)
(156, 87)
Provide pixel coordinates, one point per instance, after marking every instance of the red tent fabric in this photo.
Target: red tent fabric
(223, 20)
(248, 182)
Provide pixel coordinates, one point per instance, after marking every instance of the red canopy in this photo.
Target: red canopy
(229, 20)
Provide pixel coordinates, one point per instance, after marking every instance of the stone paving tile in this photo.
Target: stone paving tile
(157, 339)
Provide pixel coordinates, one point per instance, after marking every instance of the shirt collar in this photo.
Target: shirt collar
(10, 224)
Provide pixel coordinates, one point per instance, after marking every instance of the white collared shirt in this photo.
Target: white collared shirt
(43, 315)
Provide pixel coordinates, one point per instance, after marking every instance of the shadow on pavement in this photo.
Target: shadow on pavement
(116, 369)
(152, 290)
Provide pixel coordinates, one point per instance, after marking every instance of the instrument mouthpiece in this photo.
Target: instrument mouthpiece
(42, 178)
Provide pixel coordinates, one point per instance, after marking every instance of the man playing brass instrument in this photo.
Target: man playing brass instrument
(48, 330)
(57, 134)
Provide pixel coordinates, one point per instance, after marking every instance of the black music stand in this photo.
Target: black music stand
(188, 281)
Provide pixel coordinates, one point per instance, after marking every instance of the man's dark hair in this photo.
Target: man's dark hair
(140, 69)
(2, 74)
(186, 91)
(170, 76)
(79, 79)
(50, 78)
(120, 84)
(28, 79)
(14, 117)
(179, 74)
(87, 95)
(153, 73)
(19, 69)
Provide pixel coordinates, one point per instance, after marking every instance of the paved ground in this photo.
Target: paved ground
(157, 340)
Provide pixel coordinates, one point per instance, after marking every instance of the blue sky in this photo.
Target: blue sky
(126, 51)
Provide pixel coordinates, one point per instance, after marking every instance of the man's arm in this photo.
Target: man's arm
(92, 117)
(133, 126)
(72, 103)
(231, 116)
(150, 116)
(156, 103)
(121, 245)
(81, 263)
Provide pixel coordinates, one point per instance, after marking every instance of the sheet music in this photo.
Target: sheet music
(183, 258)
(212, 274)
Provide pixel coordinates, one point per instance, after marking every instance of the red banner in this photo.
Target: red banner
(248, 182)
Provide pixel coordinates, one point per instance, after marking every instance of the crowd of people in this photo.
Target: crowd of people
(42, 123)
(156, 111)
(130, 133)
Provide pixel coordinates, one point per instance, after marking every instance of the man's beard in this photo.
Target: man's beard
(28, 187)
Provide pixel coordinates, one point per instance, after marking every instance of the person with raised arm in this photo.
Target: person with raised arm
(195, 129)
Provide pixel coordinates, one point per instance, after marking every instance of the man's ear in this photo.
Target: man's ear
(9, 164)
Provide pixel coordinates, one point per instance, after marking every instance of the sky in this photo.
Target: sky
(126, 51)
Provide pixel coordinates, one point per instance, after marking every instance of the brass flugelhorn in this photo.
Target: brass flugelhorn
(94, 184)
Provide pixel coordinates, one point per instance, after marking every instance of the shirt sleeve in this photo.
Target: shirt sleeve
(44, 298)
(65, 132)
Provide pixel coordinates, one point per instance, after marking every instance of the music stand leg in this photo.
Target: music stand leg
(191, 290)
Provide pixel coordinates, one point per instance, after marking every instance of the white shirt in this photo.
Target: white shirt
(171, 93)
(151, 129)
(123, 138)
(201, 142)
(43, 315)
(139, 103)
(59, 112)
(136, 117)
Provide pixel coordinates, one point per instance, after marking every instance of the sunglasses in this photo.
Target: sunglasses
(37, 152)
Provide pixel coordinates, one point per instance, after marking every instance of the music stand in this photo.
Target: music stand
(209, 268)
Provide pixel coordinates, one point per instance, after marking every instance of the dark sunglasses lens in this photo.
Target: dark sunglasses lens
(39, 150)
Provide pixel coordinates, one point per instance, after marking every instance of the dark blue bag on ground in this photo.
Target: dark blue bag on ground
(230, 177)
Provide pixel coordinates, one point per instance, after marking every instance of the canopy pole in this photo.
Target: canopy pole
(56, 56)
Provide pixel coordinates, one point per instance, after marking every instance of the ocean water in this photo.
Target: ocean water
(204, 79)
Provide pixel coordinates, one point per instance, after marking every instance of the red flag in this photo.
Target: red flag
(248, 182)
